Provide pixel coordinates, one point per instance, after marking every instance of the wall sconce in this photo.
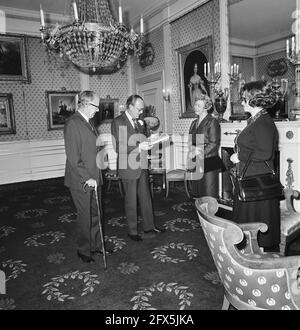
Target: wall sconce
(166, 95)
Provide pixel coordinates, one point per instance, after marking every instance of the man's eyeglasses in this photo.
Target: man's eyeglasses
(94, 105)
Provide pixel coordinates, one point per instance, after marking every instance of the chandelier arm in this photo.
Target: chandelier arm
(94, 40)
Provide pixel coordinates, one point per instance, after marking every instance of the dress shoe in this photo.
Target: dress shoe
(136, 238)
(84, 258)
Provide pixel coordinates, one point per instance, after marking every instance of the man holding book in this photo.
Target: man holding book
(131, 145)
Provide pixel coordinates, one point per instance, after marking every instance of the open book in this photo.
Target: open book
(154, 139)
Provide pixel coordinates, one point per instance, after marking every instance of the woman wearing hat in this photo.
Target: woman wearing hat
(259, 140)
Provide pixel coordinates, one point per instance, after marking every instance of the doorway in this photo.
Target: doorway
(150, 89)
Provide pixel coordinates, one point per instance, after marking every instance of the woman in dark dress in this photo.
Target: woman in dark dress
(260, 140)
(204, 145)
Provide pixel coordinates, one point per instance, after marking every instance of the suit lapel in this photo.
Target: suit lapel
(126, 121)
(205, 122)
(88, 125)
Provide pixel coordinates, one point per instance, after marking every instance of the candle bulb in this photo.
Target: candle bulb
(208, 68)
(287, 47)
(216, 68)
(231, 70)
(142, 25)
(42, 16)
(120, 14)
(75, 11)
(237, 69)
(293, 44)
(205, 69)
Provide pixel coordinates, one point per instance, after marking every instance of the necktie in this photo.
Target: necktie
(91, 122)
(136, 126)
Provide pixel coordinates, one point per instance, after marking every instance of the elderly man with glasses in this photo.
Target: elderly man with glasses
(82, 175)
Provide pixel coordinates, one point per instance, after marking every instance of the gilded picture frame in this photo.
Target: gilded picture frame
(60, 105)
(14, 65)
(7, 115)
(198, 52)
(108, 110)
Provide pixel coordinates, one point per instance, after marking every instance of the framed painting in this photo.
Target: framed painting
(7, 116)
(108, 110)
(191, 60)
(13, 58)
(61, 105)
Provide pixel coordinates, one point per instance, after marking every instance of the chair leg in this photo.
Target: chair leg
(108, 185)
(120, 187)
(151, 185)
(167, 188)
(282, 245)
(226, 304)
(186, 189)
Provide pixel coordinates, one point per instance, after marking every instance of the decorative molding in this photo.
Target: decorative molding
(224, 50)
(32, 15)
(167, 73)
(149, 78)
(232, 2)
(31, 160)
(181, 8)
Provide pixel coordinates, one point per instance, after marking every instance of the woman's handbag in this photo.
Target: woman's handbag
(259, 187)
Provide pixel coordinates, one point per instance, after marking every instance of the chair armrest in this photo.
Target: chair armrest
(290, 195)
(253, 229)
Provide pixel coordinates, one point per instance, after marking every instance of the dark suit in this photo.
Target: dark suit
(134, 176)
(80, 144)
(260, 138)
(209, 183)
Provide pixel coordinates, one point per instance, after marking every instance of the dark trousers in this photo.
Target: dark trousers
(137, 190)
(88, 232)
(207, 186)
(266, 211)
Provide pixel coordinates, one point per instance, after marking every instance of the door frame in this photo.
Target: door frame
(149, 79)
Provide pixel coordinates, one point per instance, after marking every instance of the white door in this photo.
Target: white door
(151, 92)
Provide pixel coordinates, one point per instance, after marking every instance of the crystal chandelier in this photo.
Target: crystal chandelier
(94, 41)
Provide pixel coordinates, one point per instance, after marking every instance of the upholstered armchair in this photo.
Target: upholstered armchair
(251, 279)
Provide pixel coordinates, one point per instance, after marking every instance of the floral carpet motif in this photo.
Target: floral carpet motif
(173, 271)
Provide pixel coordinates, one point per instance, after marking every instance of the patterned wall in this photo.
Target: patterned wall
(114, 85)
(263, 61)
(202, 22)
(29, 99)
(156, 38)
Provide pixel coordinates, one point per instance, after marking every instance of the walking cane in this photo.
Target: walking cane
(100, 228)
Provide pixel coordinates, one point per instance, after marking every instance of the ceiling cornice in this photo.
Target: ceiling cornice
(232, 2)
(32, 15)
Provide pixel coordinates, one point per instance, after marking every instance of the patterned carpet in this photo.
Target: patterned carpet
(173, 271)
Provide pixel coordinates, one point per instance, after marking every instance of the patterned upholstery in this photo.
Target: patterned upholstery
(251, 279)
(290, 219)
